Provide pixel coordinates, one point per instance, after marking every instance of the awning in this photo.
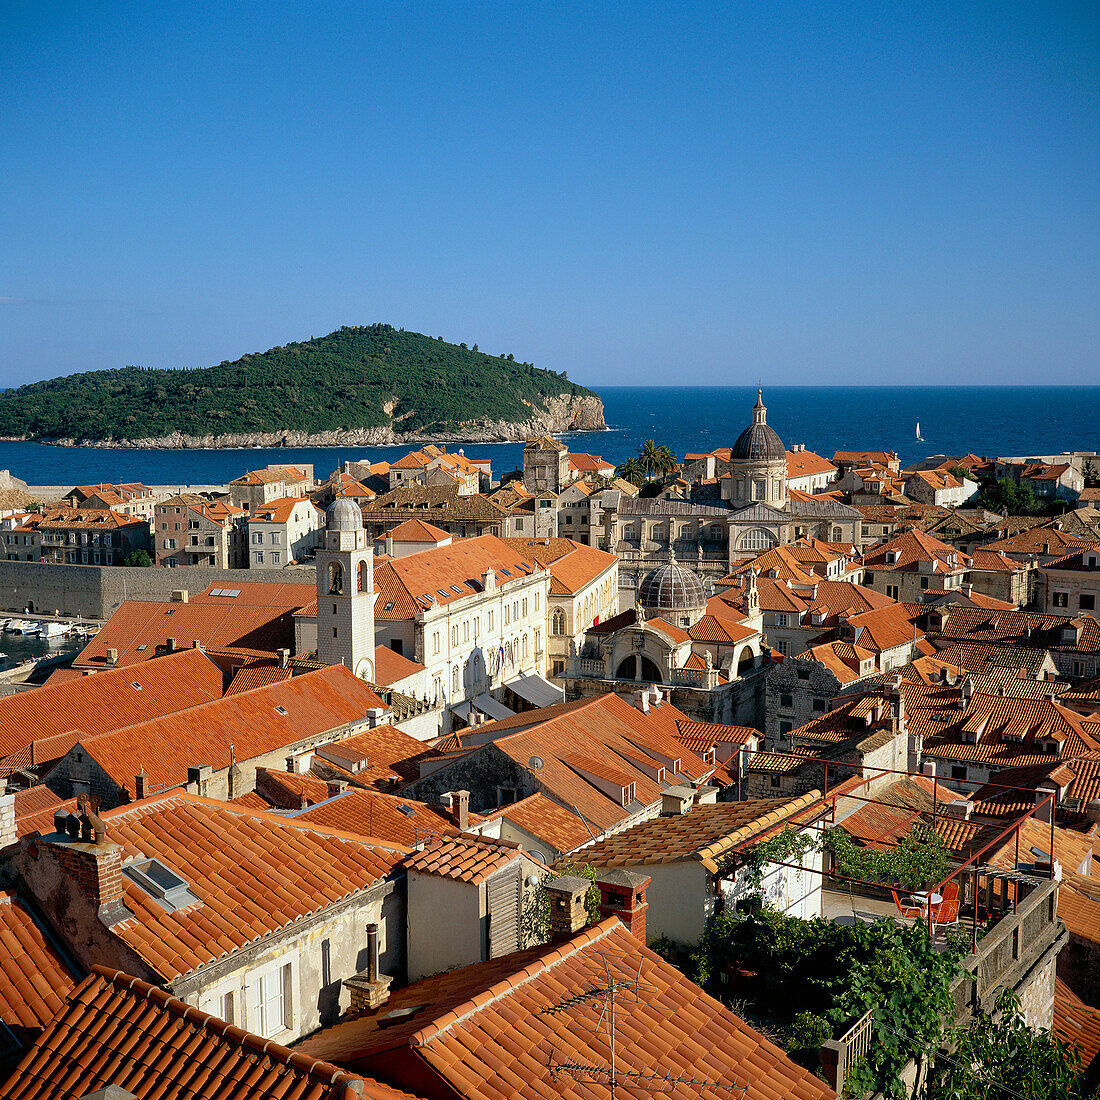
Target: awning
(537, 691)
(492, 707)
(462, 710)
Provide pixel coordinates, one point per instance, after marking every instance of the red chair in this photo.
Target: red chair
(906, 910)
(950, 891)
(946, 913)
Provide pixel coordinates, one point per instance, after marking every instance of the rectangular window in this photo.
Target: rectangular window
(1087, 601)
(786, 701)
(490, 620)
(924, 582)
(780, 618)
(259, 557)
(275, 559)
(892, 591)
(821, 705)
(958, 771)
(1060, 599)
(225, 1007)
(271, 996)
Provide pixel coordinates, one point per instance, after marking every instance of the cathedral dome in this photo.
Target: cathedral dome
(758, 442)
(671, 587)
(344, 515)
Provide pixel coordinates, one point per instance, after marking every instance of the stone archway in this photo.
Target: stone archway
(639, 667)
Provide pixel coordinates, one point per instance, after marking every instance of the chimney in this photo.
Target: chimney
(171, 644)
(676, 801)
(179, 595)
(966, 589)
(196, 643)
(284, 657)
(139, 786)
(623, 895)
(369, 988)
(8, 833)
(958, 807)
(389, 546)
(641, 701)
(197, 777)
(93, 864)
(567, 905)
(112, 656)
(459, 804)
(336, 786)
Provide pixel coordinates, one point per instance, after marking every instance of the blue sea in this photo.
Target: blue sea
(1010, 420)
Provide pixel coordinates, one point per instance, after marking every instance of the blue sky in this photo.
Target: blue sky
(634, 193)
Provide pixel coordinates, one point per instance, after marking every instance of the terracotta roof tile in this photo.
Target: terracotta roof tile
(417, 530)
(546, 820)
(485, 1031)
(117, 1030)
(463, 857)
(252, 871)
(35, 977)
(573, 566)
(106, 701)
(252, 722)
(1076, 1023)
(370, 757)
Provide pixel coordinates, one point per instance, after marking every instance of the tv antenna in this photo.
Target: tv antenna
(610, 1073)
(535, 763)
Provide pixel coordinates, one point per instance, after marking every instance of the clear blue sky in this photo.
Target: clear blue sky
(634, 193)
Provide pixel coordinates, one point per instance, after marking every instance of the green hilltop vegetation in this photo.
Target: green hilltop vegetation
(356, 377)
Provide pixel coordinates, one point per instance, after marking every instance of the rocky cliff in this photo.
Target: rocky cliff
(556, 414)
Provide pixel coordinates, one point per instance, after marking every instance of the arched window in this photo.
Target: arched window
(454, 679)
(525, 647)
(362, 585)
(756, 538)
(335, 578)
(559, 621)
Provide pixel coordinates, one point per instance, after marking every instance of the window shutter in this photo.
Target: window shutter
(504, 908)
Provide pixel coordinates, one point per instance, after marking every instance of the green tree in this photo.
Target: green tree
(631, 470)
(655, 459)
(1000, 1057)
(137, 557)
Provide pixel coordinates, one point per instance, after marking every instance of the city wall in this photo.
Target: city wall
(95, 591)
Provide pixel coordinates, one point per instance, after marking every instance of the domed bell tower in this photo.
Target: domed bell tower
(345, 591)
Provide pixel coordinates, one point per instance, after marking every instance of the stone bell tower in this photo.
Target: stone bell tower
(345, 591)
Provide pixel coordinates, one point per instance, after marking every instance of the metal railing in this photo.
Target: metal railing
(840, 1056)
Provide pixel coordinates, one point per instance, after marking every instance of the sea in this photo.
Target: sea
(1003, 420)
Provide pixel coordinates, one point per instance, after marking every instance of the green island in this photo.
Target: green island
(369, 384)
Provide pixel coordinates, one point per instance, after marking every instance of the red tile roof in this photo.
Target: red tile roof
(573, 566)
(1076, 1023)
(258, 620)
(257, 674)
(802, 463)
(115, 1030)
(106, 701)
(546, 820)
(484, 1031)
(463, 857)
(372, 756)
(913, 548)
(239, 726)
(416, 530)
(253, 873)
(35, 977)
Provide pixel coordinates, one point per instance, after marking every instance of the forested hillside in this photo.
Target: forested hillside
(354, 378)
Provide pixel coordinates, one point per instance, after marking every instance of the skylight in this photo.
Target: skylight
(506, 572)
(142, 648)
(388, 607)
(135, 685)
(161, 883)
(444, 593)
(280, 710)
(408, 811)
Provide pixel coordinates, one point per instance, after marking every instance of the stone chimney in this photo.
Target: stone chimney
(641, 700)
(7, 820)
(139, 786)
(336, 786)
(369, 988)
(623, 895)
(112, 655)
(170, 645)
(179, 595)
(284, 657)
(196, 643)
(568, 914)
(676, 801)
(459, 804)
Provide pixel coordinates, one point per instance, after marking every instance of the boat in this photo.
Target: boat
(920, 438)
(32, 629)
(54, 630)
(16, 626)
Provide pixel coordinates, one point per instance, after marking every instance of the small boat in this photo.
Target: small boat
(54, 630)
(920, 438)
(32, 629)
(16, 626)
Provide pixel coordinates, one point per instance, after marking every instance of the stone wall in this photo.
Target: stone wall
(95, 591)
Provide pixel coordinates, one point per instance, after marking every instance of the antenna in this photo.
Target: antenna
(610, 1073)
(535, 763)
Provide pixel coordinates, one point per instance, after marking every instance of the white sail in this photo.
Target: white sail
(920, 438)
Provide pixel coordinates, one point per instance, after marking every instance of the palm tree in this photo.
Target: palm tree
(631, 470)
(654, 459)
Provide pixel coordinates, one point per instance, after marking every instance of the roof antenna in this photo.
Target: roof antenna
(610, 1073)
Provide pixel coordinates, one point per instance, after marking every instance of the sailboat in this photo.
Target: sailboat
(920, 438)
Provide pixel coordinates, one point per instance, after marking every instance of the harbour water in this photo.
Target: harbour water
(1009, 420)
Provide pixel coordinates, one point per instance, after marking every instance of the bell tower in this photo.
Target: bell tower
(345, 591)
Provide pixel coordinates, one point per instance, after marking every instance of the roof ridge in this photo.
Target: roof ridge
(327, 1072)
(751, 828)
(506, 985)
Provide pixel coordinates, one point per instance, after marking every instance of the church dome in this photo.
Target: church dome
(344, 515)
(671, 587)
(758, 442)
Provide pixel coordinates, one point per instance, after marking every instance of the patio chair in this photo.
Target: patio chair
(950, 891)
(946, 914)
(907, 908)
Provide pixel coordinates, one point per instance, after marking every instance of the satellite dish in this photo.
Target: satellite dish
(535, 763)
